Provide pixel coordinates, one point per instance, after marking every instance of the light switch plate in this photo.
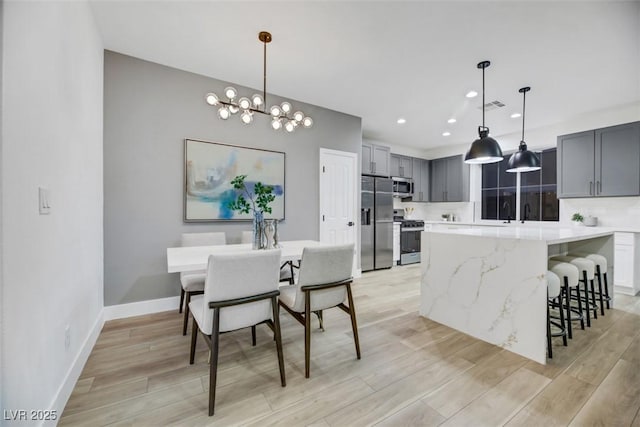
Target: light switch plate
(43, 197)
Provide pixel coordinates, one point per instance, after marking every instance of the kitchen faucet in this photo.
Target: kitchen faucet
(507, 206)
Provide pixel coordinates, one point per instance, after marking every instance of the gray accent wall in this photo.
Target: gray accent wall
(149, 110)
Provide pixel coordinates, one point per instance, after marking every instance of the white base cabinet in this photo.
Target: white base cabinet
(627, 263)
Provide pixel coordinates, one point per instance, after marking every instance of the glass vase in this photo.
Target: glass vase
(257, 241)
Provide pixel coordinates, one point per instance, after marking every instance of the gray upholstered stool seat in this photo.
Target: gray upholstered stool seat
(570, 279)
(588, 270)
(554, 291)
(601, 274)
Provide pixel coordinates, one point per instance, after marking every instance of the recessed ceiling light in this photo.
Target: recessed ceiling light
(446, 133)
(471, 94)
(402, 121)
(451, 121)
(516, 115)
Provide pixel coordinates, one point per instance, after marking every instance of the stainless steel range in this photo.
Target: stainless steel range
(410, 237)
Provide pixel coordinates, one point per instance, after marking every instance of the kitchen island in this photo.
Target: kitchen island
(489, 282)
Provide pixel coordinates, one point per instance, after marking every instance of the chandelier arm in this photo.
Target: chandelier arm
(264, 76)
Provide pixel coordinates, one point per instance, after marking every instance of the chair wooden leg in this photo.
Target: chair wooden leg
(354, 325)
(213, 364)
(307, 332)
(253, 335)
(291, 279)
(181, 300)
(275, 308)
(186, 314)
(194, 338)
(320, 320)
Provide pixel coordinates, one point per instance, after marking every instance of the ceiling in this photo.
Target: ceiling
(383, 60)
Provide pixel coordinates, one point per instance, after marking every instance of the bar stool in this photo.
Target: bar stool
(571, 279)
(601, 272)
(588, 269)
(553, 295)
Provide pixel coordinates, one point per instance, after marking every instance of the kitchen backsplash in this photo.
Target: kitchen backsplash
(611, 211)
(463, 211)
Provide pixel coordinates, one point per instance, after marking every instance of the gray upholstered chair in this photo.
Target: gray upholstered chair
(286, 269)
(324, 282)
(241, 291)
(193, 281)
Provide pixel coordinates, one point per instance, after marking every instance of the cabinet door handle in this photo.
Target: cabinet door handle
(374, 167)
(371, 167)
(590, 188)
(599, 187)
(421, 195)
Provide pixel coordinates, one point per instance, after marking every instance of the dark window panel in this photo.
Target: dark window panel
(548, 161)
(550, 203)
(505, 179)
(533, 177)
(490, 175)
(490, 204)
(530, 203)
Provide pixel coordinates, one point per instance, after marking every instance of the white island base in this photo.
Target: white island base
(491, 284)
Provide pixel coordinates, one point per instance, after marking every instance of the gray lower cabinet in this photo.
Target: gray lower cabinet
(401, 166)
(599, 163)
(375, 159)
(420, 180)
(449, 180)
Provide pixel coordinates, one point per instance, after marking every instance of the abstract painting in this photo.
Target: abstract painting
(209, 169)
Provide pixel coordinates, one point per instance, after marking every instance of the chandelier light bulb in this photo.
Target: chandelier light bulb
(212, 98)
(276, 111)
(257, 100)
(276, 124)
(246, 117)
(286, 107)
(290, 126)
(307, 122)
(224, 113)
(230, 92)
(233, 109)
(244, 103)
(298, 116)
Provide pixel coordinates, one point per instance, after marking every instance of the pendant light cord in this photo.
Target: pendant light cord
(483, 126)
(524, 96)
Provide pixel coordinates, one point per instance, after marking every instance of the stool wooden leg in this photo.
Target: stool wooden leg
(586, 299)
(580, 308)
(549, 351)
(599, 274)
(564, 336)
(181, 300)
(567, 296)
(593, 299)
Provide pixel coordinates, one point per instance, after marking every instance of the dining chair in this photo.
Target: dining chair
(193, 281)
(240, 291)
(286, 269)
(324, 282)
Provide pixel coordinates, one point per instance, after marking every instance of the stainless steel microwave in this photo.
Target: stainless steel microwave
(402, 187)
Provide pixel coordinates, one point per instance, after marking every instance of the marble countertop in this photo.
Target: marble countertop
(550, 235)
(533, 225)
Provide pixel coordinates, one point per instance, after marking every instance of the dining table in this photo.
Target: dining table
(195, 258)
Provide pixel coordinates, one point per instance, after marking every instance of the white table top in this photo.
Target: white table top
(195, 258)
(547, 234)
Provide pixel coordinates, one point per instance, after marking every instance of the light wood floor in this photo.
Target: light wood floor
(413, 372)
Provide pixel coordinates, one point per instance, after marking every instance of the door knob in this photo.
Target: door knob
(350, 223)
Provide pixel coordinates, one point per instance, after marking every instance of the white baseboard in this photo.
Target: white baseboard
(625, 290)
(69, 382)
(140, 308)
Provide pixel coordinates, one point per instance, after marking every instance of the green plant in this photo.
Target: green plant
(258, 202)
(577, 217)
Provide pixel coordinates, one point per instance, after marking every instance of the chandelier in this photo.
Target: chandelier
(282, 115)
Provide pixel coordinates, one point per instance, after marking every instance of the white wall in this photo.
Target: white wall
(52, 137)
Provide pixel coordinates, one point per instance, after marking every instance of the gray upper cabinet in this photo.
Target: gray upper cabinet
(449, 180)
(420, 180)
(601, 162)
(375, 159)
(401, 166)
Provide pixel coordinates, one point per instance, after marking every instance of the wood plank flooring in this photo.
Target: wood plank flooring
(413, 372)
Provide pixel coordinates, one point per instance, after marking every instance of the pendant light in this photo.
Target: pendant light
(523, 160)
(484, 149)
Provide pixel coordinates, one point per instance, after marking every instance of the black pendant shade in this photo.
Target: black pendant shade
(523, 160)
(484, 149)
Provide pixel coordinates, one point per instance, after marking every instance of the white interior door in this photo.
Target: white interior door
(339, 198)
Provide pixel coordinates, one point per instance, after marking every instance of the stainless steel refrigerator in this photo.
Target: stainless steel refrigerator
(376, 223)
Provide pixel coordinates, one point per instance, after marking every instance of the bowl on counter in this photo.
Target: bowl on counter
(590, 221)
